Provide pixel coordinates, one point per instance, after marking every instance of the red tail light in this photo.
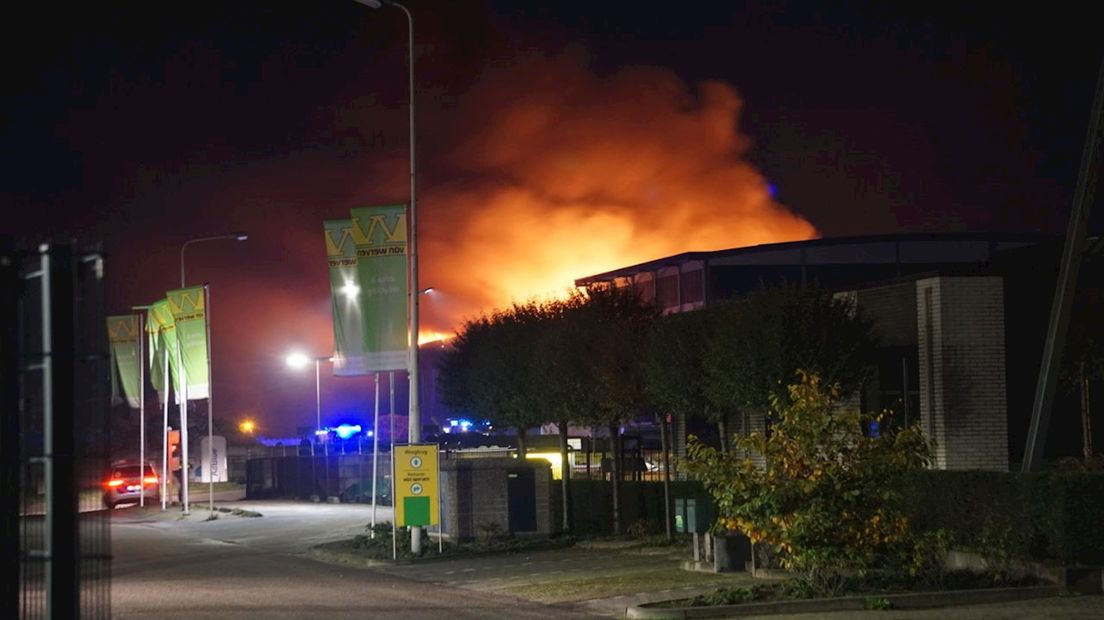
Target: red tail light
(114, 482)
(150, 480)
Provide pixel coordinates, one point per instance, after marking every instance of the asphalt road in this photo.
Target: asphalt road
(238, 567)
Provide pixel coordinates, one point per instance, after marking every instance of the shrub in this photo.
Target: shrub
(1050, 516)
(826, 496)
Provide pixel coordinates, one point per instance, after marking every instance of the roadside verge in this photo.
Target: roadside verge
(909, 600)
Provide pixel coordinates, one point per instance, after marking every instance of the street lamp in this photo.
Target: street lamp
(412, 226)
(415, 426)
(235, 236)
(299, 360)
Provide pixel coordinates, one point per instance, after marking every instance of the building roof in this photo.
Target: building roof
(906, 248)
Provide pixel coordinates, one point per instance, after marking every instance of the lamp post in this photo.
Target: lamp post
(415, 425)
(235, 236)
(298, 360)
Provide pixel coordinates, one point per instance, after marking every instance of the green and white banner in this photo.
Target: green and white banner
(380, 237)
(123, 335)
(349, 358)
(188, 308)
(162, 342)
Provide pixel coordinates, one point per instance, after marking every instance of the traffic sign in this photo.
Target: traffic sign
(416, 481)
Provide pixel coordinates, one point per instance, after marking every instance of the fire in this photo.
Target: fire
(562, 174)
(426, 337)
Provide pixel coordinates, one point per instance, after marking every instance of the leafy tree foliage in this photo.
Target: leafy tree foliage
(674, 370)
(758, 342)
(491, 369)
(608, 328)
(825, 495)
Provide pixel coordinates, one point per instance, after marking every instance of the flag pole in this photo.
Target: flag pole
(391, 457)
(210, 468)
(146, 328)
(375, 452)
(141, 411)
(183, 395)
(165, 437)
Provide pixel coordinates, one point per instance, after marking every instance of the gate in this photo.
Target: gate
(54, 402)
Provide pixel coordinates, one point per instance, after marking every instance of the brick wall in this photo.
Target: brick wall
(475, 495)
(892, 308)
(960, 327)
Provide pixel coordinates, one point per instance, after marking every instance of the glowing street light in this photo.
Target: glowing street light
(299, 360)
(247, 427)
(350, 289)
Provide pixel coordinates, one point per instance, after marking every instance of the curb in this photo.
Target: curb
(911, 600)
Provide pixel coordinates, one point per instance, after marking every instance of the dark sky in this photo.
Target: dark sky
(554, 142)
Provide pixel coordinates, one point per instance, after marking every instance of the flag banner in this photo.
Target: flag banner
(349, 358)
(380, 237)
(162, 330)
(188, 307)
(123, 335)
(155, 352)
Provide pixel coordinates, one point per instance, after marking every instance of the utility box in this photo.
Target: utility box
(693, 514)
(504, 495)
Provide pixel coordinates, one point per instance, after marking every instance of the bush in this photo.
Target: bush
(1051, 516)
(825, 495)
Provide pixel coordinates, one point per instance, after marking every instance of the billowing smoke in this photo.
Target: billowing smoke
(552, 173)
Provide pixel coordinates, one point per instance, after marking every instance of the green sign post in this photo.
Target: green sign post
(416, 484)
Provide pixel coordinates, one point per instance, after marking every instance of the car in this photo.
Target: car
(125, 483)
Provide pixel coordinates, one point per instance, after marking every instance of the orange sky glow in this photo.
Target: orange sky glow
(569, 175)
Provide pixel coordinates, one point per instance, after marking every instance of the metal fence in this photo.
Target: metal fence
(54, 401)
(345, 476)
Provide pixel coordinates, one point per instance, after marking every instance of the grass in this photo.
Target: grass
(606, 585)
(873, 585)
(366, 547)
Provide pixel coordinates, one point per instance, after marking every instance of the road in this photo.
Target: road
(239, 567)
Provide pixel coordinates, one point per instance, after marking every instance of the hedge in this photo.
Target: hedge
(640, 502)
(1054, 517)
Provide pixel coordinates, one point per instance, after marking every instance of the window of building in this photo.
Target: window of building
(667, 294)
(693, 288)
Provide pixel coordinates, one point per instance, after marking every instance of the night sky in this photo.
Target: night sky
(554, 142)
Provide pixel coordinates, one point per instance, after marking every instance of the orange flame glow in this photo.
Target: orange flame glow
(560, 174)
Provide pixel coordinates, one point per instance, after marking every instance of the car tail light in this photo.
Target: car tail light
(150, 480)
(114, 482)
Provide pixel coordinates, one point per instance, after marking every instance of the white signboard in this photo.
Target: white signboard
(213, 470)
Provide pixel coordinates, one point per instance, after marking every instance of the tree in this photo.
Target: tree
(608, 328)
(674, 369)
(491, 369)
(757, 343)
(565, 388)
(825, 497)
(1083, 359)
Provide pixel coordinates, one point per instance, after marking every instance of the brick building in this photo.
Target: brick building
(960, 318)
